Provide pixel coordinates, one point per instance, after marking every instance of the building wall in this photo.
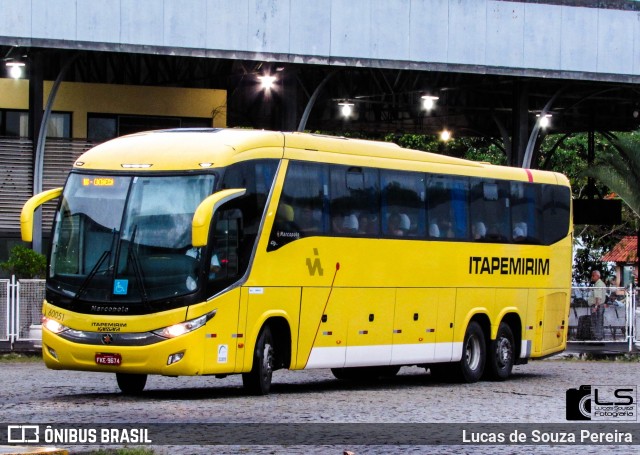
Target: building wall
(82, 98)
(587, 39)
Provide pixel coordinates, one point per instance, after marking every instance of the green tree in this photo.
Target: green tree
(619, 169)
(568, 155)
(470, 148)
(23, 262)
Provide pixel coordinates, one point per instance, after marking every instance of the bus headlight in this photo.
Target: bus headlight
(53, 326)
(185, 327)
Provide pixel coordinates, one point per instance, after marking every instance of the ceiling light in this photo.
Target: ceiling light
(346, 109)
(15, 69)
(544, 121)
(429, 102)
(267, 81)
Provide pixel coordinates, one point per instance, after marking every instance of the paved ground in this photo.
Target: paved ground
(534, 395)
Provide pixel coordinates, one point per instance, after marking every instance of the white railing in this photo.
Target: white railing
(20, 312)
(615, 321)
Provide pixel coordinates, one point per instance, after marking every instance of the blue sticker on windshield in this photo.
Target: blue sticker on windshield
(120, 287)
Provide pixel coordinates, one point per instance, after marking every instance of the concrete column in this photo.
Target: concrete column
(520, 123)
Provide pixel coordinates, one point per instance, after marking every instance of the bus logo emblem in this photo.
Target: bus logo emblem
(315, 265)
(107, 338)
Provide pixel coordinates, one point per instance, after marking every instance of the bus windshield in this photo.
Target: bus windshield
(127, 238)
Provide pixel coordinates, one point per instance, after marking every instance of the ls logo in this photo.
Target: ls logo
(315, 266)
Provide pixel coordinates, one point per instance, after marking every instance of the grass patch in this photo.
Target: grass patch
(20, 357)
(630, 357)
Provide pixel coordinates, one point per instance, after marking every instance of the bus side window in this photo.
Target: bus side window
(447, 207)
(354, 201)
(256, 177)
(301, 209)
(525, 212)
(403, 204)
(489, 207)
(555, 206)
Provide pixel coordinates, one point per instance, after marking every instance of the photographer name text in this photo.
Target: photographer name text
(545, 437)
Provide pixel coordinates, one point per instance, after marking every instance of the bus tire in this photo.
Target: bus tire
(131, 384)
(258, 380)
(471, 366)
(500, 357)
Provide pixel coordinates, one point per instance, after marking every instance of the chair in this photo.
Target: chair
(405, 222)
(434, 230)
(519, 231)
(350, 224)
(478, 230)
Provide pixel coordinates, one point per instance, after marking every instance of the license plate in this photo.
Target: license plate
(103, 358)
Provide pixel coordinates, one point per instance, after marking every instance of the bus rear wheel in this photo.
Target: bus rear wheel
(500, 357)
(131, 384)
(258, 380)
(473, 353)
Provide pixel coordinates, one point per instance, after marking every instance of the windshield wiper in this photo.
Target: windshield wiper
(133, 258)
(96, 268)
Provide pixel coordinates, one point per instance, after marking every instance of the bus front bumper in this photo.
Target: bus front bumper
(179, 356)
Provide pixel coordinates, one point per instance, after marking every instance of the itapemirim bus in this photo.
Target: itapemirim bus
(214, 252)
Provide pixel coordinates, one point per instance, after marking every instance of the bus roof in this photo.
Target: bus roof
(198, 148)
(182, 149)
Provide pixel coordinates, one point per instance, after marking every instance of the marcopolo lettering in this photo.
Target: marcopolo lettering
(480, 265)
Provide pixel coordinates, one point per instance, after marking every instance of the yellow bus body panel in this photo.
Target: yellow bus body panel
(264, 302)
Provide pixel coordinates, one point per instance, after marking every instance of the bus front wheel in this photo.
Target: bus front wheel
(258, 380)
(131, 384)
(473, 359)
(501, 354)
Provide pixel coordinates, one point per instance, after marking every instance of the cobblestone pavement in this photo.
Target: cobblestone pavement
(535, 394)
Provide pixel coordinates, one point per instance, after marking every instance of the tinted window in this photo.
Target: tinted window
(241, 217)
(301, 208)
(403, 204)
(356, 201)
(526, 212)
(355, 206)
(447, 207)
(256, 177)
(489, 210)
(556, 202)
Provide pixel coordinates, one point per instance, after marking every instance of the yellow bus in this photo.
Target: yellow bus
(215, 252)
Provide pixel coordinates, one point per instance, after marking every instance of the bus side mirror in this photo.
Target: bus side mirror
(28, 209)
(204, 213)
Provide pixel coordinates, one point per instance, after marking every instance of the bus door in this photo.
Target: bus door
(224, 268)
